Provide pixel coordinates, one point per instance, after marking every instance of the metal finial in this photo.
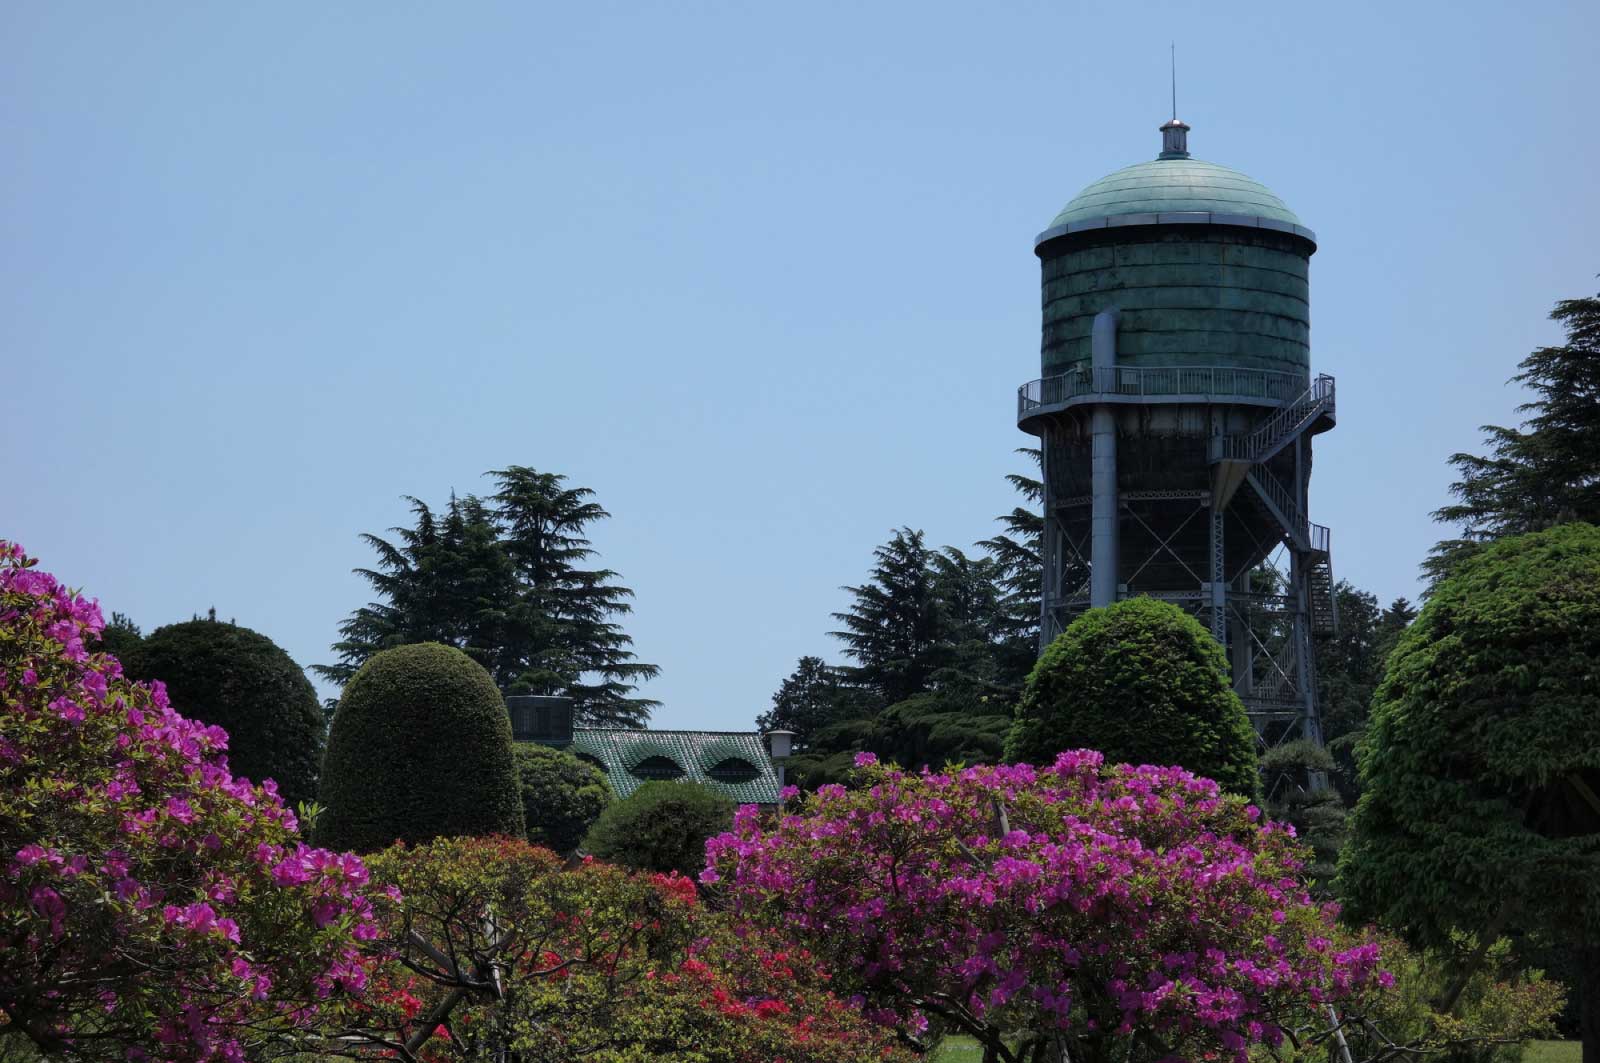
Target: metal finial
(1175, 134)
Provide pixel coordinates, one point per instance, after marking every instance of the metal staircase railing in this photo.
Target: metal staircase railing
(1324, 606)
(1281, 504)
(1279, 429)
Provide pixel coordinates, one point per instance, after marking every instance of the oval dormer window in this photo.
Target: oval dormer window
(734, 770)
(656, 768)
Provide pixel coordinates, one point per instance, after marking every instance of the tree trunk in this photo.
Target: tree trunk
(1588, 989)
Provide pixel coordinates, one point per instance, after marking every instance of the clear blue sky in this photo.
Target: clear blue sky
(760, 275)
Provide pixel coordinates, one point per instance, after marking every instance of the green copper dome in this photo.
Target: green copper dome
(1205, 266)
(1173, 186)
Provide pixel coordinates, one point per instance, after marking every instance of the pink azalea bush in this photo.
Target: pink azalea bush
(152, 906)
(1116, 911)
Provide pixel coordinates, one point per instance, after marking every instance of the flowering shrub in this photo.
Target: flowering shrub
(496, 947)
(1125, 910)
(151, 905)
(1498, 1009)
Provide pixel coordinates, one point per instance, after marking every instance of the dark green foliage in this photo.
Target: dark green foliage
(928, 623)
(240, 681)
(892, 629)
(562, 795)
(1349, 667)
(934, 730)
(504, 580)
(661, 826)
(1017, 551)
(1545, 472)
(1481, 764)
(1483, 745)
(420, 748)
(120, 638)
(1144, 683)
(980, 649)
(931, 620)
(1293, 795)
(562, 636)
(812, 697)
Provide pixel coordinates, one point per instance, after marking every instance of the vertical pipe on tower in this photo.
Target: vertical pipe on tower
(1103, 561)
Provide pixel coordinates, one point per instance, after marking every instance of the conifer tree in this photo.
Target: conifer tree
(504, 580)
(1019, 552)
(563, 636)
(892, 628)
(1545, 472)
(813, 696)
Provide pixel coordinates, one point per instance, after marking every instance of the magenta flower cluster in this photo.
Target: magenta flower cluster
(152, 906)
(1099, 903)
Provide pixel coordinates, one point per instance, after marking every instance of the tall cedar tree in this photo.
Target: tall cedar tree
(965, 628)
(502, 579)
(892, 628)
(985, 652)
(1546, 472)
(812, 697)
(1019, 552)
(563, 636)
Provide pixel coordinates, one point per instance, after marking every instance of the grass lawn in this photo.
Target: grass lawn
(966, 1050)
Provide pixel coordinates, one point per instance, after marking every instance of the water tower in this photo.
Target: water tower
(1175, 413)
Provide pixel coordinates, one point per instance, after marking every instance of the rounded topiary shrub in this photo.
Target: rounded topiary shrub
(562, 795)
(661, 826)
(1481, 762)
(240, 681)
(420, 748)
(1144, 683)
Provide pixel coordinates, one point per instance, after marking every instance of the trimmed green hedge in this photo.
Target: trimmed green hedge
(562, 795)
(1144, 683)
(420, 747)
(661, 826)
(1482, 755)
(242, 682)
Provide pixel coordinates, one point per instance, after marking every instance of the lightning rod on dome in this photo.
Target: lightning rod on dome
(1175, 134)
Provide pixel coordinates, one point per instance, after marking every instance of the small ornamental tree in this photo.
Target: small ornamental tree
(240, 681)
(661, 826)
(1104, 912)
(1481, 767)
(1144, 683)
(561, 795)
(591, 964)
(151, 905)
(420, 747)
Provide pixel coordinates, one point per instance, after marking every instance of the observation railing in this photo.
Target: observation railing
(1202, 381)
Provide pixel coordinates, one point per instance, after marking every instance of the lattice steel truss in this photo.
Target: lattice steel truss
(1235, 550)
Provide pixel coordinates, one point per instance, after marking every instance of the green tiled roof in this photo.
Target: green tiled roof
(620, 750)
(1172, 186)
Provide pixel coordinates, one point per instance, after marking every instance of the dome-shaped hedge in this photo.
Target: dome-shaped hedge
(561, 795)
(662, 826)
(1144, 683)
(420, 747)
(1481, 760)
(242, 682)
